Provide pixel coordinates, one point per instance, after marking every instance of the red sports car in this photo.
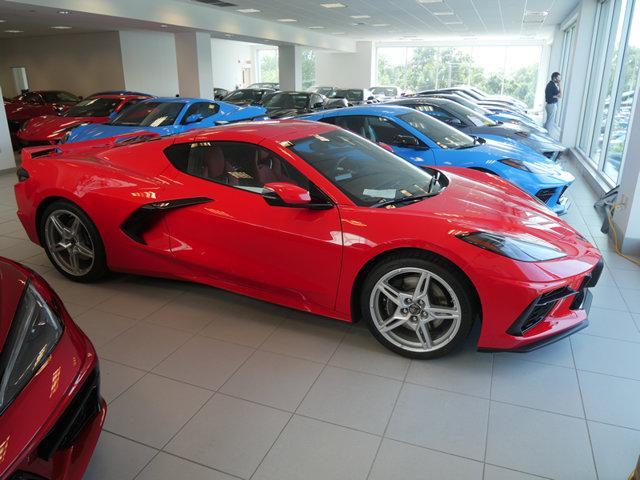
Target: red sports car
(313, 217)
(49, 129)
(36, 103)
(51, 412)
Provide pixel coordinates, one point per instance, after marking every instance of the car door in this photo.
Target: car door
(288, 255)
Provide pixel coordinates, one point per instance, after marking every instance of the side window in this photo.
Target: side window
(354, 123)
(32, 98)
(329, 120)
(384, 130)
(315, 99)
(240, 165)
(203, 108)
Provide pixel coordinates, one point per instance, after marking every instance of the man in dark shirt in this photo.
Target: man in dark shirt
(551, 95)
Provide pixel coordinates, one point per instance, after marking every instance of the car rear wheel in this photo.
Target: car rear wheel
(72, 242)
(417, 306)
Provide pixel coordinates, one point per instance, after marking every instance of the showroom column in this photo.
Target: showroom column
(195, 73)
(7, 160)
(627, 218)
(290, 67)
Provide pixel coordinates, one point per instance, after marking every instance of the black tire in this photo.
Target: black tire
(99, 268)
(458, 283)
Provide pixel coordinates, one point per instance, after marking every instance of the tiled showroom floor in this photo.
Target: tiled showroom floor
(204, 384)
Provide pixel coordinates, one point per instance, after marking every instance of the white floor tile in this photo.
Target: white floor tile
(116, 458)
(615, 449)
(610, 399)
(168, 467)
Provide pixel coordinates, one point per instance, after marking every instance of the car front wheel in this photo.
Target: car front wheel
(417, 306)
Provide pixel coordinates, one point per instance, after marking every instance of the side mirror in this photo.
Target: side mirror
(196, 117)
(284, 194)
(406, 141)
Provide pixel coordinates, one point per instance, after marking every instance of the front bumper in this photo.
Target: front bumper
(551, 316)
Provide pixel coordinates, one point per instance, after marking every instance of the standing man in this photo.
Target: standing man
(551, 95)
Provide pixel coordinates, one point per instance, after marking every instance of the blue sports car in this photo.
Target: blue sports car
(166, 116)
(424, 141)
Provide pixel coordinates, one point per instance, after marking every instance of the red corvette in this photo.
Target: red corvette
(312, 217)
(51, 412)
(48, 129)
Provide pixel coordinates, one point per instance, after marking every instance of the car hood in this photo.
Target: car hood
(49, 125)
(477, 201)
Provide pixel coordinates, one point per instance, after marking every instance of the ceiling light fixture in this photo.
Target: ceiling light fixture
(248, 10)
(379, 24)
(457, 22)
(163, 25)
(13, 31)
(442, 14)
(333, 5)
(2, 21)
(337, 33)
(64, 12)
(360, 16)
(287, 20)
(430, 1)
(534, 13)
(316, 27)
(61, 27)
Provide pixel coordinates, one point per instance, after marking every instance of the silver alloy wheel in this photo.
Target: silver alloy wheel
(415, 309)
(69, 243)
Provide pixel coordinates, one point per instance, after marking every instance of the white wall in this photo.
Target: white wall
(228, 58)
(7, 160)
(80, 63)
(149, 62)
(347, 70)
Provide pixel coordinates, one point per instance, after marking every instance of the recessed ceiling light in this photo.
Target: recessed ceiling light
(287, 20)
(13, 31)
(61, 27)
(64, 12)
(430, 1)
(360, 16)
(163, 25)
(533, 13)
(379, 24)
(228, 35)
(316, 27)
(457, 22)
(337, 33)
(2, 21)
(248, 10)
(333, 5)
(441, 14)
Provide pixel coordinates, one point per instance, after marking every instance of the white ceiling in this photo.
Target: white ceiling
(401, 20)
(398, 19)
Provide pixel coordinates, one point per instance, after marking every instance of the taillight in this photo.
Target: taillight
(22, 174)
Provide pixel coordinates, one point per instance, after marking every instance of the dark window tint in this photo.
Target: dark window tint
(149, 114)
(241, 165)
(287, 100)
(59, 97)
(351, 95)
(384, 130)
(30, 98)
(93, 107)
(205, 109)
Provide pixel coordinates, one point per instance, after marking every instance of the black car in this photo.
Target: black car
(323, 90)
(488, 102)
(220, 93)
(247, 96)
(290, 104)
(354, 96)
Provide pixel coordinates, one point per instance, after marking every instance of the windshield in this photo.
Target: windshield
(249, 94)
(93, 107)
(461, 111)
(469, 104)
(149, 114)
(352, 95)
(386, 91)
(59, 97)
(287, 100)
(367, 174)
(441, 133)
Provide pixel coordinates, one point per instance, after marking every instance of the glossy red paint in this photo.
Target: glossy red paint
(50, 128)
(298, 257)
(40, 405)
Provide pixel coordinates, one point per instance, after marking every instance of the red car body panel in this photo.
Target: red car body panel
(40, 405)
(50, 128)
(306, 259)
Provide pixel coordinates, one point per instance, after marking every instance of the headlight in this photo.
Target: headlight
(512, 162)
(34, 333)
(525, 248)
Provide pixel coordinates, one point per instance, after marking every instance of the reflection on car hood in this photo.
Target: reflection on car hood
(45, 126)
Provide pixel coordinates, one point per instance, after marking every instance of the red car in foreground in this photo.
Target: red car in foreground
(313, 217)
(48, 129)
(51, 412)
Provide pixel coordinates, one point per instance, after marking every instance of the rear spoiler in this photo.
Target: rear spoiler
(28, 153)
